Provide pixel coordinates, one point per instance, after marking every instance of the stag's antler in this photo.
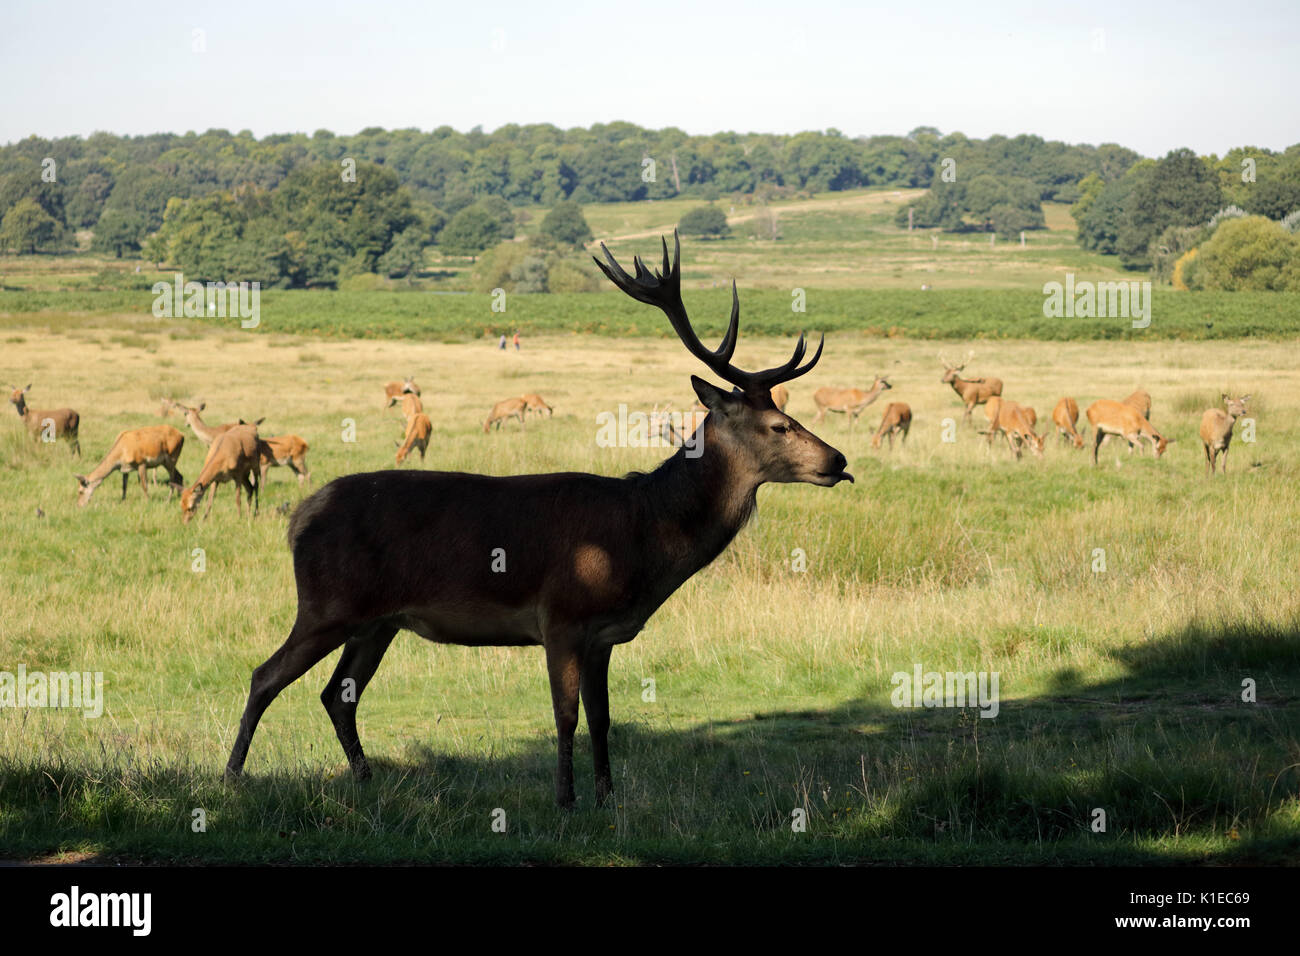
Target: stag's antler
(664, 290)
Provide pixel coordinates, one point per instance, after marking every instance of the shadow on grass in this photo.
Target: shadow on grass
(1183, 770)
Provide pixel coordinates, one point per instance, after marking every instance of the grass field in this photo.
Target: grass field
(1121, 689)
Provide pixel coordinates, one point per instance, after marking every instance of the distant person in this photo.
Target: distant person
(502, 344)
(516, 340)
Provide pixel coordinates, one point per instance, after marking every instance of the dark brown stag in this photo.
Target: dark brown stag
(574, 562)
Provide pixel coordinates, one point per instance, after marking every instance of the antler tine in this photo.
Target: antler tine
(791, 369)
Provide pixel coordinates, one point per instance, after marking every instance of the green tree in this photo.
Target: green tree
(1179, 190)
(27, 227)
(118, 231)
(470, 231)
(566, 223)
(704, 221)
(405, 257)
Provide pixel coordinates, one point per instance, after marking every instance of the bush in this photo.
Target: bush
(704, 221)
(1184, 272)
(1250, 253)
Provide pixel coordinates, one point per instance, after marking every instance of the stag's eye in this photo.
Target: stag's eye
(780, 429)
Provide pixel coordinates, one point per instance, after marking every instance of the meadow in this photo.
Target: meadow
(1121, 605)
(1121, 689)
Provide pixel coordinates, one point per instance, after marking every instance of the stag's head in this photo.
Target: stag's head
(951, 371)
(409, 386)
(18, 396)
(743, 425)
(1236, 406)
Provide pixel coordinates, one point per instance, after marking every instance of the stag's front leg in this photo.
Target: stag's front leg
(564, 664)
(595, 701)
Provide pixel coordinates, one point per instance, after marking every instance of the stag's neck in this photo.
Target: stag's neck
(694, 507)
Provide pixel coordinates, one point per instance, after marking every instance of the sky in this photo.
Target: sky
(1151, 76)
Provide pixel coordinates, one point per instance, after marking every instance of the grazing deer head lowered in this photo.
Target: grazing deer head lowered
(574, 562)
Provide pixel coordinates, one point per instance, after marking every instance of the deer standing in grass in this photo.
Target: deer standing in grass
(138, 450)
(234, 456)
(576, 563)
(418, 430)
(288, 451)
(1065, 416)
(507, 408)
(1108, 417)
(56, 422)
(394, 391)
(849, 401)
(897, 418)
(971, 391)
(1216, 430)
(534, 403)
(1016, 423)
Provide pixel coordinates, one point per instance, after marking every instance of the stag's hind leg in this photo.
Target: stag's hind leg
(361, 656)
(306, 645)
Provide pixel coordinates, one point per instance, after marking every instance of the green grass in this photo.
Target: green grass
(1120, 690)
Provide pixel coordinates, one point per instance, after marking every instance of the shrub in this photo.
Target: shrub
(704, 221)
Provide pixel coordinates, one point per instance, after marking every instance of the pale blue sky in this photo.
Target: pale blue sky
(1201, 74)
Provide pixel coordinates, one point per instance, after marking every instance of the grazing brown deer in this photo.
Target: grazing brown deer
(849, 401)
(780, 397)
(57, 422)
(418, 430)
(506, 408)
(897, 418)
(1109, 417)
(282, 450)
(534, 403)
(1016, 423)
(1065, 415)
(1216, 430)
(1141, 400)
(138, 450)
(393, 391)
(971, 391)
(233, 456)
(574, 562)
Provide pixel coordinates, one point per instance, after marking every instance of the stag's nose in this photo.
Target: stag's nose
(839, 462)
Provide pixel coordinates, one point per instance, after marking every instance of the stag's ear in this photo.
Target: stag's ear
(713, 398)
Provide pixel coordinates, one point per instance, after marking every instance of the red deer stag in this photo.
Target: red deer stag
(574, 562)
(57, 422)
(972, 391)
(504, 409)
